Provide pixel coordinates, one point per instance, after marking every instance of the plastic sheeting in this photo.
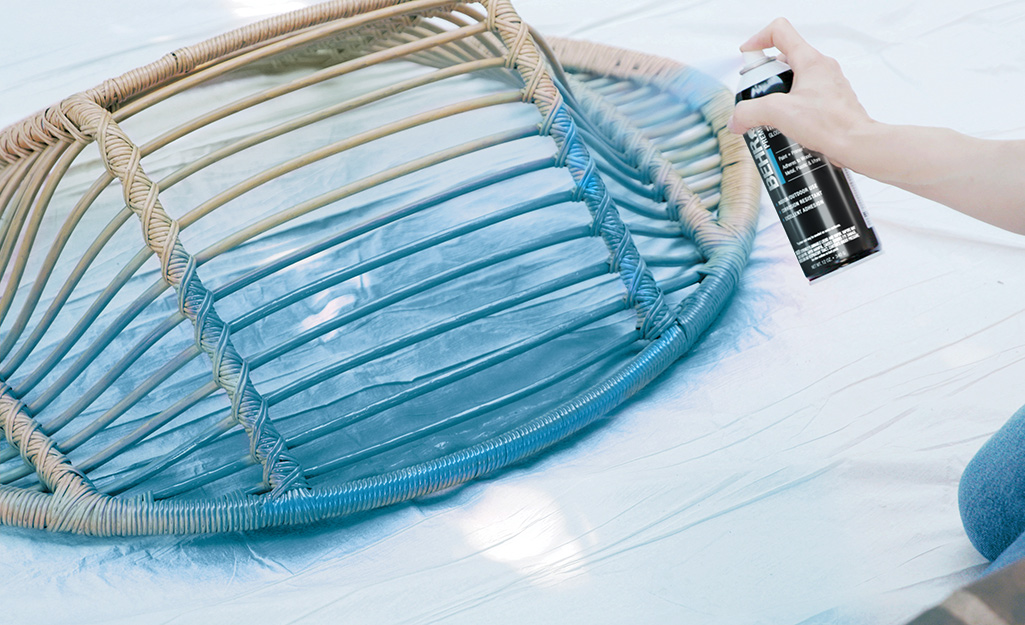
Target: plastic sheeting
(800, 466)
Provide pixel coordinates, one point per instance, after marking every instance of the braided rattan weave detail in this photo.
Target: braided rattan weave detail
(642, 292)
(364, 29)
(160, 232)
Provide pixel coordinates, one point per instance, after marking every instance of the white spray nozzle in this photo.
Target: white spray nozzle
(754, 58)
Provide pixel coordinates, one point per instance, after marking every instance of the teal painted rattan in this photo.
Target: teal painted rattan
(99, 448)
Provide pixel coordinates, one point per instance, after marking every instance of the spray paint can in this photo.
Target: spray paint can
(814, 199)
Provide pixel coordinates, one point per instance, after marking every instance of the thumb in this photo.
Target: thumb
(765, 111)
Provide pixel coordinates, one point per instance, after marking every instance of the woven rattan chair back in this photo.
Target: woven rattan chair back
(387, 247)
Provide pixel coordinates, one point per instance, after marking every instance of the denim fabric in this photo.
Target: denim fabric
(1014, 553)
(992, 494)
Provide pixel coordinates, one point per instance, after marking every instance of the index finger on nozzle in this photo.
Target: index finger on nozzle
(782, 35)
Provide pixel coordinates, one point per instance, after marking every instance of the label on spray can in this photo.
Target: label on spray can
(814, 199)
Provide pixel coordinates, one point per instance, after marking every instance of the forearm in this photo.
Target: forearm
(981, 178)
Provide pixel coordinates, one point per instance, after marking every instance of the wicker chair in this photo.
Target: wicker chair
(387, 247)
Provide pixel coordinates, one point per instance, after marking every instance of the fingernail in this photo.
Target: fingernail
(731, 125)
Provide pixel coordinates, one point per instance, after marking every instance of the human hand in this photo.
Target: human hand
(821, 111)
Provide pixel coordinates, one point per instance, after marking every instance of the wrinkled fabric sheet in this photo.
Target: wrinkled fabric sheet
(800, 466)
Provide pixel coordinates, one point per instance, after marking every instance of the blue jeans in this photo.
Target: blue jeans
(992, 495)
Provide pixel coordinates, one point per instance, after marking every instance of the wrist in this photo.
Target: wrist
(852, 146)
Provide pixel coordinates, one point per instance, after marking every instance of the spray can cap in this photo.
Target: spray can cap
(753, 59)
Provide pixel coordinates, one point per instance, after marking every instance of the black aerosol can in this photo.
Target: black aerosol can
(814, 198)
